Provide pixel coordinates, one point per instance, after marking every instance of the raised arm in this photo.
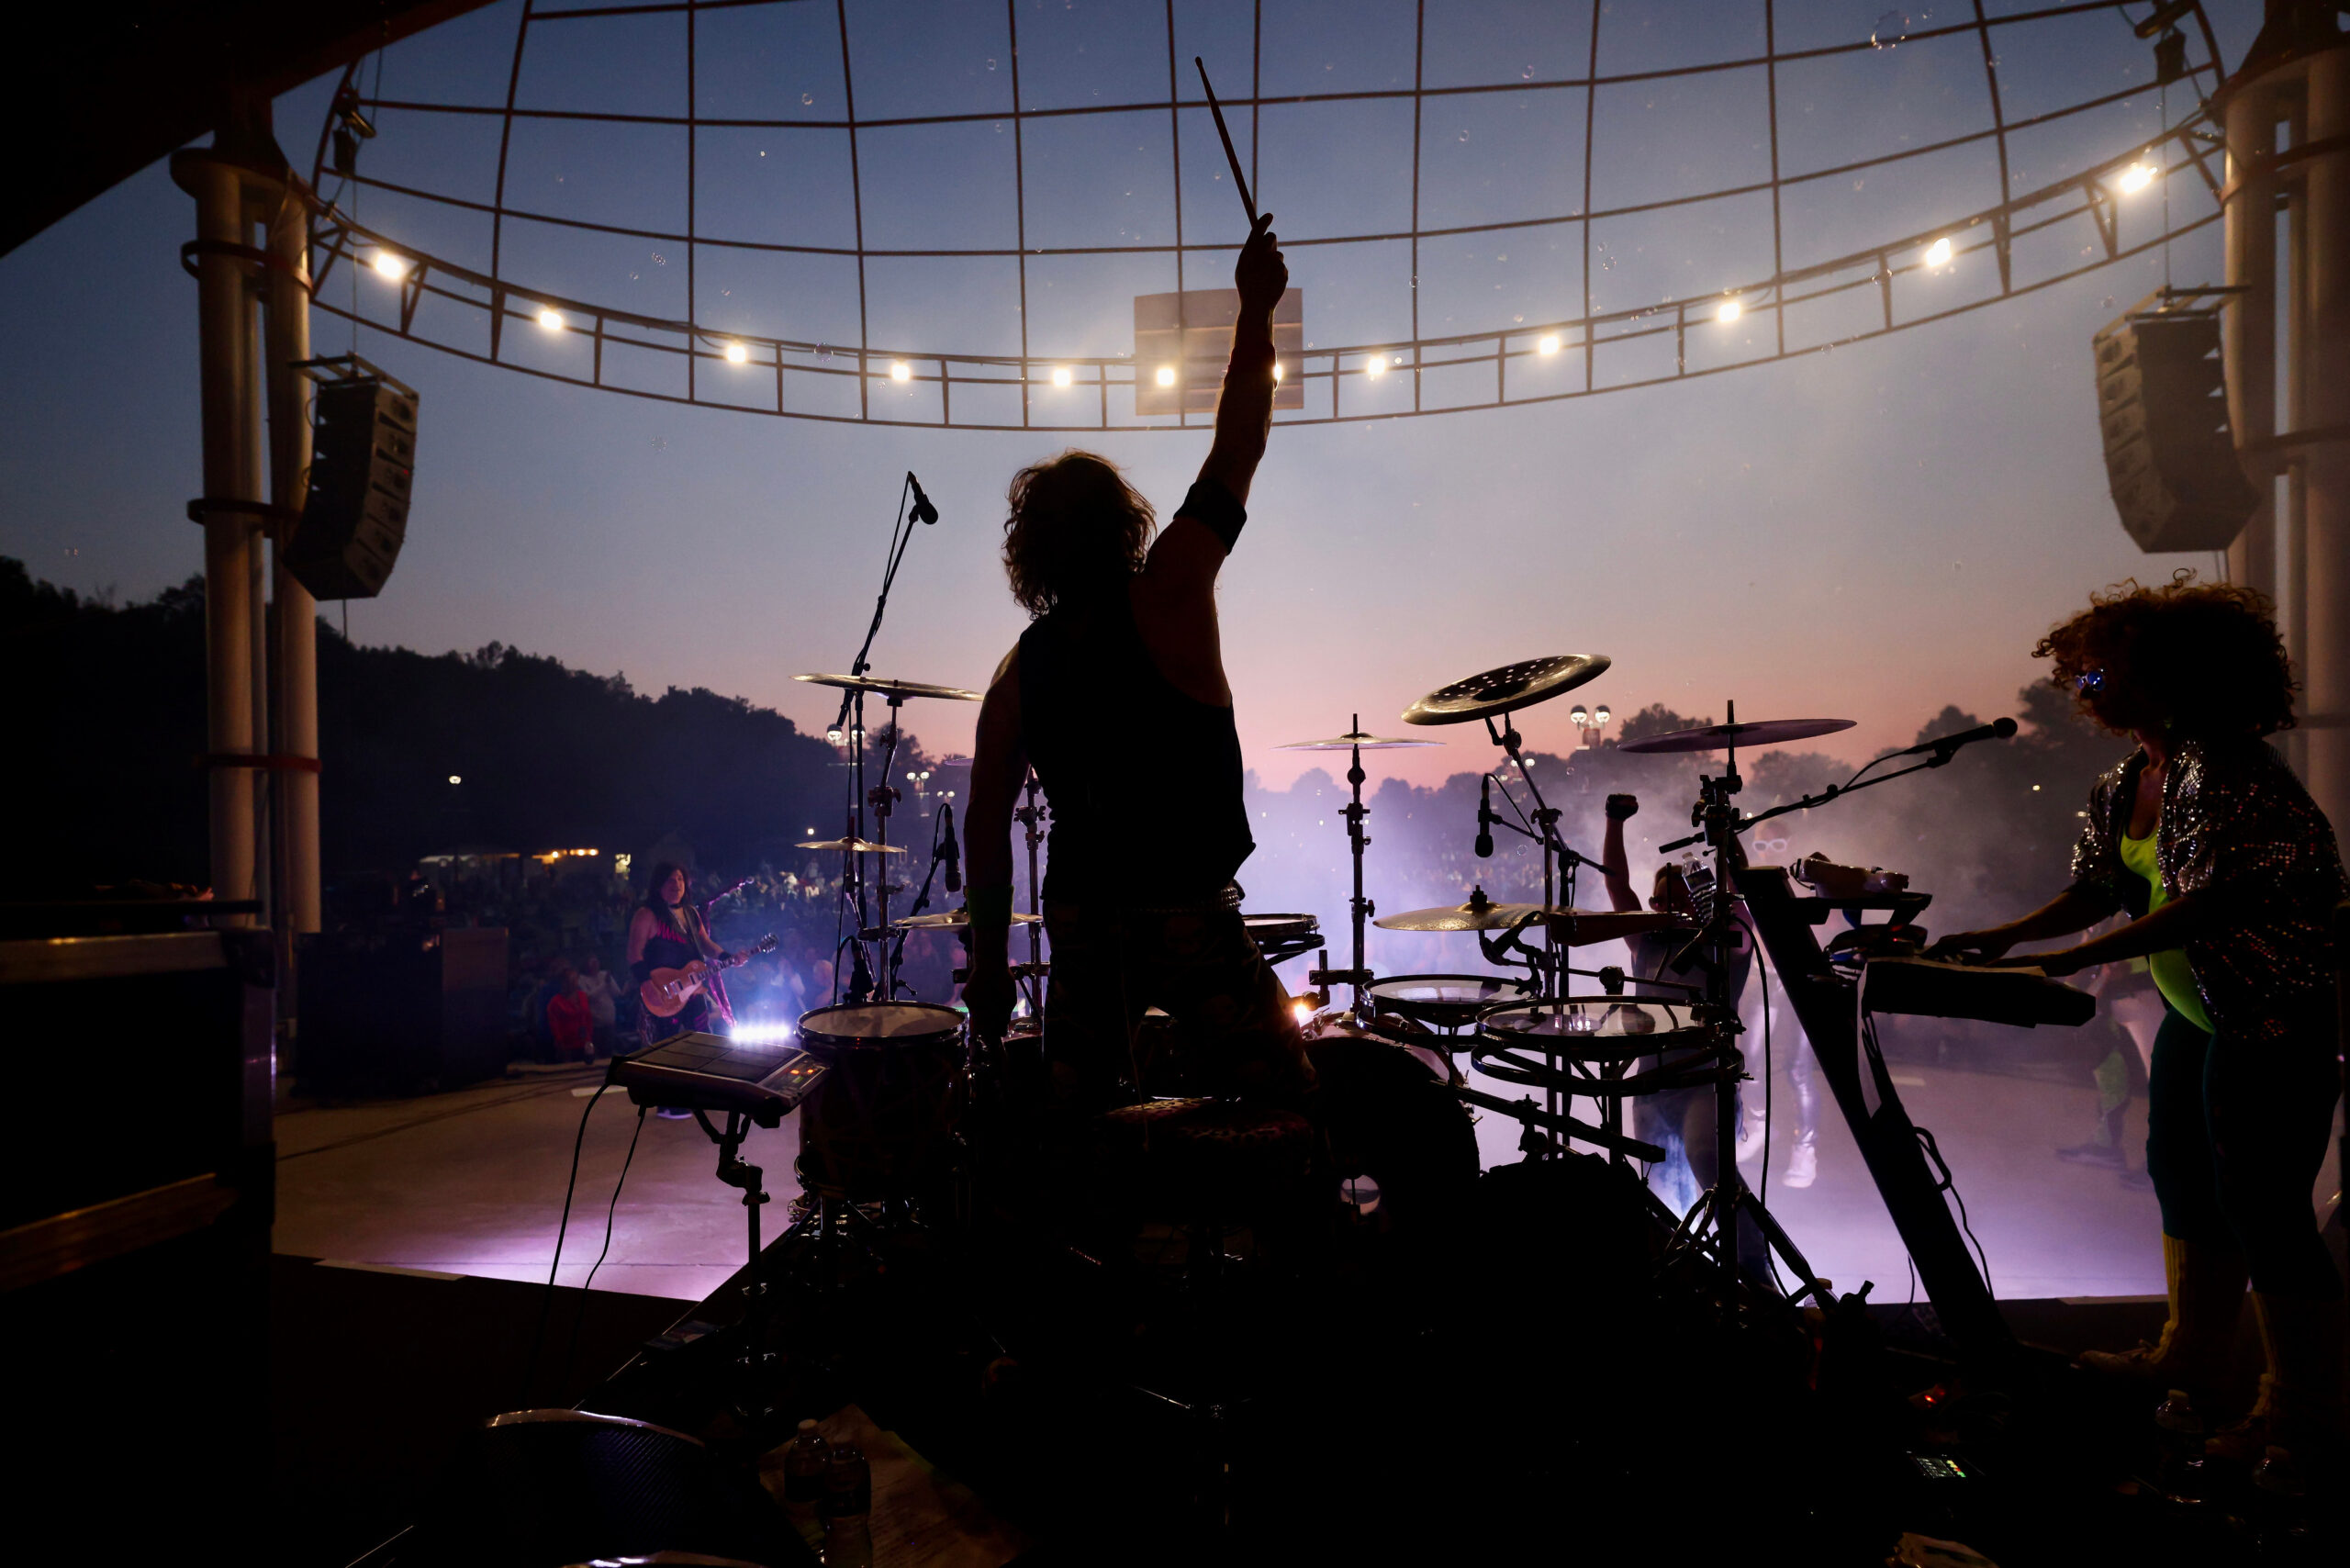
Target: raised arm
(999, 763)
(1613, 865)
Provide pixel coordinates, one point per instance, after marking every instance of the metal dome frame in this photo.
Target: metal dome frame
(1893, 267)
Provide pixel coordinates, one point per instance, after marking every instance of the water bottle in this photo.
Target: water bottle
(803, 1482)
(2179, 1435)
(848, 1506)
(2277, 1494)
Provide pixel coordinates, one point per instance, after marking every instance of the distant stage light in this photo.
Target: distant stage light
(901, 371)
(1938, 254)
(456, 778)
(1730, 311)
(1547, 343)
(1061, 375)
(1375, 365)
(1300, 1010)
(390, 265)
(2136, 178)
(1167, 376)
(551, 319)
(737, 354)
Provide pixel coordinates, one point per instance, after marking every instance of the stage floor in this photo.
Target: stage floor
(472, 1182)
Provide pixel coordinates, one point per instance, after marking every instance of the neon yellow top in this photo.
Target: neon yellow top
(2174, 976)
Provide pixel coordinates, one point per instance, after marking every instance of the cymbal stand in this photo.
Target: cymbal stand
(1728, 1199)
(1359, 977)
(1030, 818)
(881, 797)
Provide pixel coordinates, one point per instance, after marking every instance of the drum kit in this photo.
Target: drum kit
(898, 1065)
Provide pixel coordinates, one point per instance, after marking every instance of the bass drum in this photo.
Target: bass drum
(1391, 1116)
(877, 1125)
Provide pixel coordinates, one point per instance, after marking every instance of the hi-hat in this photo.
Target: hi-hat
(1576, 927)
(851, 845)
(952, 920)
(1353, 740)
(1504, 690)
(1719, 737)
(894, 689)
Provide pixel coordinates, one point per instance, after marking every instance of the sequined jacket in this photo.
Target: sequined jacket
(2237, 828)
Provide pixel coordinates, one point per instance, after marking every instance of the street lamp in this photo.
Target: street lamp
(1591, 724)
(919, 781)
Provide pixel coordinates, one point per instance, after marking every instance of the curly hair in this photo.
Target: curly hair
(2196, 658)
(1075, 525)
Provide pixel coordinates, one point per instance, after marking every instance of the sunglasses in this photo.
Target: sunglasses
(2089, 682)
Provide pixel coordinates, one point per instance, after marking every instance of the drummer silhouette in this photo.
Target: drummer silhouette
(1124, 659)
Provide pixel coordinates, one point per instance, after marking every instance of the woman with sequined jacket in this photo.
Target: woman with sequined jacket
(2231, 876)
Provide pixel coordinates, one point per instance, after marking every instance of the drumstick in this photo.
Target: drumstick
(1238, 181)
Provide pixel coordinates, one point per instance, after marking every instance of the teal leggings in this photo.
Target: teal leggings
(2234, 1139)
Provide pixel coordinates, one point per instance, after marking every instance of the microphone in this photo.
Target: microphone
(951, 851)
(1997, 729)
(923, 510)
(1485, 819)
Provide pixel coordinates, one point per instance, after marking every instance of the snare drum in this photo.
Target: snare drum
(1442, 1001)
(1596, 1028)
(875, 1123)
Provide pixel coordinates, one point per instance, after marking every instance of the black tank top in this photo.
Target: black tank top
(1144, 781)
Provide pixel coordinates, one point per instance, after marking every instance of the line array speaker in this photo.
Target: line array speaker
(361, 466)
(2170, 456)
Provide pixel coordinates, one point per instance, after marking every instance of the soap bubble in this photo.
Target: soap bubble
(1891, 29)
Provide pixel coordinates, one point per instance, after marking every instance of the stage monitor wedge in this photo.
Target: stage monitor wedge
(2170, 456)
(363, 464)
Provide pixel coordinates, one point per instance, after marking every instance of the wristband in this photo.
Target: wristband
(989, 907)
(1209, 504)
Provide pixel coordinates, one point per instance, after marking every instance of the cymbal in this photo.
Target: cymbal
(1576, 927)
(1352, 740)
(897, 688)
(1716, 737)
(851, 845)
(951, 920)
(1497, 691)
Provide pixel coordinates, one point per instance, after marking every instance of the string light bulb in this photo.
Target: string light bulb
(1938, 254)
(1730, 311)
(1547, 343)
(1277, 372)
(1061, 375)
(1375, 365)
(550, 318)
(389, 265)
(1167, 376)
(2137, 177)
(901, 371)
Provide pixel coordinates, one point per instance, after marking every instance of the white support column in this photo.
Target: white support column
(2250, 348)
(229, 405)
(2322, 354)
(297, 726)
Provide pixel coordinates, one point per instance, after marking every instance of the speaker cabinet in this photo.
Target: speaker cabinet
(361, 468)
(2169, 455)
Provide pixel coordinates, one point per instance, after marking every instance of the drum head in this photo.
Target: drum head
(1272, 927)
(1596, 1028)
(876, 1023)
(1446, 1002)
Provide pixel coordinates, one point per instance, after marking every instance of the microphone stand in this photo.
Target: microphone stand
(902, 534)
(1942, 750)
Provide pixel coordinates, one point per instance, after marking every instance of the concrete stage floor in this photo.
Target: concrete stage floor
(472, 1182)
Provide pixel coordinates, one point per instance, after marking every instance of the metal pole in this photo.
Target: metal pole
(2322, 257)
(296, 719)
(225, 374)
(2250, 349)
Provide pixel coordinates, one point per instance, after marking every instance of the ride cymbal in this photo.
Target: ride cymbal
(1352, 741)
(851, 845)
(1721, 737)
(1576, 927)
(1495, 692)
(899, 690)
(952, 920)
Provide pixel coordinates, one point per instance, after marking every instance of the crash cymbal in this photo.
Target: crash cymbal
(1718, 737)
(1351, 740)
(952, 920)
(851, 845)
(895, 688)
(1506, 690)
(1576, 927)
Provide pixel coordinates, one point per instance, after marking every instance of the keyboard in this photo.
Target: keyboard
(710, 1072)
(2025, 998)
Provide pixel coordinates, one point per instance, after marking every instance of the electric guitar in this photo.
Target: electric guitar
(665, 992)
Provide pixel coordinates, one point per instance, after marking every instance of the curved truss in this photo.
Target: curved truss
(1905, 280)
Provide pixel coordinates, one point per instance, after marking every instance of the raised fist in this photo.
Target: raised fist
(1623, 808)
